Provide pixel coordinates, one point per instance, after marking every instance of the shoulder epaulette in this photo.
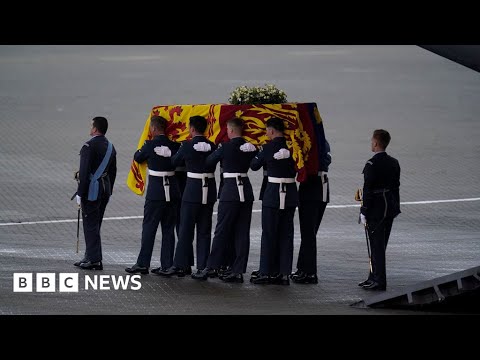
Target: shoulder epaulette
(369, 162)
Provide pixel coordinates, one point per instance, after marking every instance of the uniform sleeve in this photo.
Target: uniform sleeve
(368, 178)
(84, 171)
(142, 154)
(258, 161)
(179, 158)
(214, 157)
(112, 170)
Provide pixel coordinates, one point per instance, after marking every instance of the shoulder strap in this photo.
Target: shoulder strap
(93, 188)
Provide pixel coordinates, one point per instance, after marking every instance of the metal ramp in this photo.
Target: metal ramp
(457, 292)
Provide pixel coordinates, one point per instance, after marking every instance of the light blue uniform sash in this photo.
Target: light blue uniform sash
(94, 185)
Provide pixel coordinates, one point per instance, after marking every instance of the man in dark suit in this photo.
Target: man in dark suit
(198, 198)
(381, 204)
(278, 206)
(97, 173)
(235, 207)
(313, 195)
(161, 200)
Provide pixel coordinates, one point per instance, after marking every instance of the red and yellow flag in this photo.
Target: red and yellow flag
(300, 120)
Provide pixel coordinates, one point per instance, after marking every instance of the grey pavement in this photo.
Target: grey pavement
(49, 94)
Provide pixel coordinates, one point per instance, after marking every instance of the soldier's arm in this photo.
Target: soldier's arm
(84, 171)
(368, 176)
(179, 158)
(141, 155)
(112, 170)
(214, 157)
(258, 161)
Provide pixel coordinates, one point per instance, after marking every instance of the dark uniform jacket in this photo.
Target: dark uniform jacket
(312, 188)
(381, 189)
(91, 156)
(284, 168)
(155, 190)
(233, 160)
(195, 162)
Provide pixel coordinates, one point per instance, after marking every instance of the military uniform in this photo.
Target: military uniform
(161, 201)
(198, 198)
(232, 232)
(381, 204)
(181, 175)
(93, 205)
(280, 199)
(314, 195)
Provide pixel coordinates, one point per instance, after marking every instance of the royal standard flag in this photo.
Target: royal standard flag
(303, 124)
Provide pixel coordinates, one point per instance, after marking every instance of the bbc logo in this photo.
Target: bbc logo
(45, 282)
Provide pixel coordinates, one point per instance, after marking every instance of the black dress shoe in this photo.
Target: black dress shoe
(137, 269)
(281, 280)
(262, 279)
(306, 279)
(79, 262)
(187, 271)
(92, 265)
(255, 274)
(297, 274)
(233, 277)
(364, 282)
(171, 271)
(157, 270)
(374, 286)
(201, 274)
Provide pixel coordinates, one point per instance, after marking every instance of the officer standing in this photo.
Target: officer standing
(232, 231)
(381, 204)
(97, 173)
(198, 198)
(313, 196)
(161, 200)
(278, 206)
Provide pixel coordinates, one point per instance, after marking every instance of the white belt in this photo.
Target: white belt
(202, 176)
(238, 176)
(166, 182)
(282, 193)
(324, 177)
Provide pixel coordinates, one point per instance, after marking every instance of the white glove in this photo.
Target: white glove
(247, 147)
(363, 219)
(79, 200)
(162, 151)
(202, 146)
(282, 154)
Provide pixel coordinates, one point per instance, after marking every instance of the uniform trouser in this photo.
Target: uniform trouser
(232, 232)
(310, 214)
(177, 227)
(157, 212)
(276, 251)
(92, 215)
(199, 216)
(379, 233)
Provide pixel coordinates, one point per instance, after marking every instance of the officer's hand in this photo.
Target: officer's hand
(79, 200)
(363, 219)
(162, 151)
(282, 154)
(202, 146)
(247, 147)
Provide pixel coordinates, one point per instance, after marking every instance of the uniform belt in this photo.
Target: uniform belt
(282, 191)
(166, 181)
(238, 176)
(204, 177)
